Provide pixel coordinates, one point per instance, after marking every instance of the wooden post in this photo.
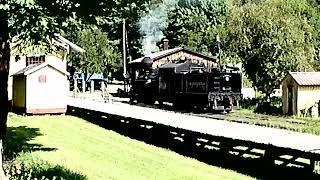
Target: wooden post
(103, 89)
(75, 87)
(124, 53)
(103, 86)
(92, 86)
(83, 85)
(75, 84)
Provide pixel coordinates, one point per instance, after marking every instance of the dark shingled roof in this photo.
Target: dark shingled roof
(306, 78)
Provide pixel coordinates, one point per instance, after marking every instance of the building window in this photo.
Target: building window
(35, 60)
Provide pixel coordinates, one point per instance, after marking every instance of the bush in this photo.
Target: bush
(37, 169)
(260, 105)
(250, 104)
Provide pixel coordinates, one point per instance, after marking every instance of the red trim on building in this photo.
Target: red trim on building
(47, 111)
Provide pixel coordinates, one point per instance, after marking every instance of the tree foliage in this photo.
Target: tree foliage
(34, 22)
(111, 19)
(102, 54)
(29, 22)
(272, 38)
(41, 19)
(195, 24)
(269, 37)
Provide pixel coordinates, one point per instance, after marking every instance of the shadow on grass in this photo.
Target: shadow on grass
(17, 141)
(216, 151)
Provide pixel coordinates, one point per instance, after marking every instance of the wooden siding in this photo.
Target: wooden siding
(176, 56)
(289, 81)
(46, 89)
(47, 111)
(16, 66)
(304, 97)
(19, 89)
(308, 96)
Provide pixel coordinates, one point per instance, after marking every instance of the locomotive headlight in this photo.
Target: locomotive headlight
(227, 78)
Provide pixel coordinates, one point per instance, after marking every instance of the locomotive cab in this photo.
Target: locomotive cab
(143, 81)
(225, 89)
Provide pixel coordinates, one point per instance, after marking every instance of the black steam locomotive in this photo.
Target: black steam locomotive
(185, 84)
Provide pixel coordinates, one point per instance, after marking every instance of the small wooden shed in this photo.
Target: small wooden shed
(40, 89)
(300, 91)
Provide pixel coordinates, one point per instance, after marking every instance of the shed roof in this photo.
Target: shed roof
(94, 76)
(35, 67)
(306, 78)
(61, 40)
(158, 55)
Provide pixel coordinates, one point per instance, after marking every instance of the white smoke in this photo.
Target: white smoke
(152, 25)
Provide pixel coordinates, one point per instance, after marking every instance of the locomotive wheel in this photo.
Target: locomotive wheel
(149, 100)
(178, 104)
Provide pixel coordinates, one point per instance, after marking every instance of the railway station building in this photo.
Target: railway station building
(40, 89)
(24, 66)
(170, 55)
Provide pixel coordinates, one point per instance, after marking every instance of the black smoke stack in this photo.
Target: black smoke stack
(165, 44)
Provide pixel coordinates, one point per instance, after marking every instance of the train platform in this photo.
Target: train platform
(276, 141)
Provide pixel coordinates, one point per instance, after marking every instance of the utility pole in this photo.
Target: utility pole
(124, 54)
(219, 54)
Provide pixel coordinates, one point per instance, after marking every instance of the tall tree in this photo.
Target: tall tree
(195, 24)
(273, 37)
(101, 56)
(35, 21)
(111, 18)
(4, 70)
(30, 22)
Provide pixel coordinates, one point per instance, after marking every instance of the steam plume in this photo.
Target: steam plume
(153, 23)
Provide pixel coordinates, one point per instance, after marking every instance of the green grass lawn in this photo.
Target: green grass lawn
(68, 147)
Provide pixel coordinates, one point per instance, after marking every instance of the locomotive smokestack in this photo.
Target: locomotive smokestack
(165, 44)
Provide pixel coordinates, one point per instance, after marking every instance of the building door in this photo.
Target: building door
(290, 100)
